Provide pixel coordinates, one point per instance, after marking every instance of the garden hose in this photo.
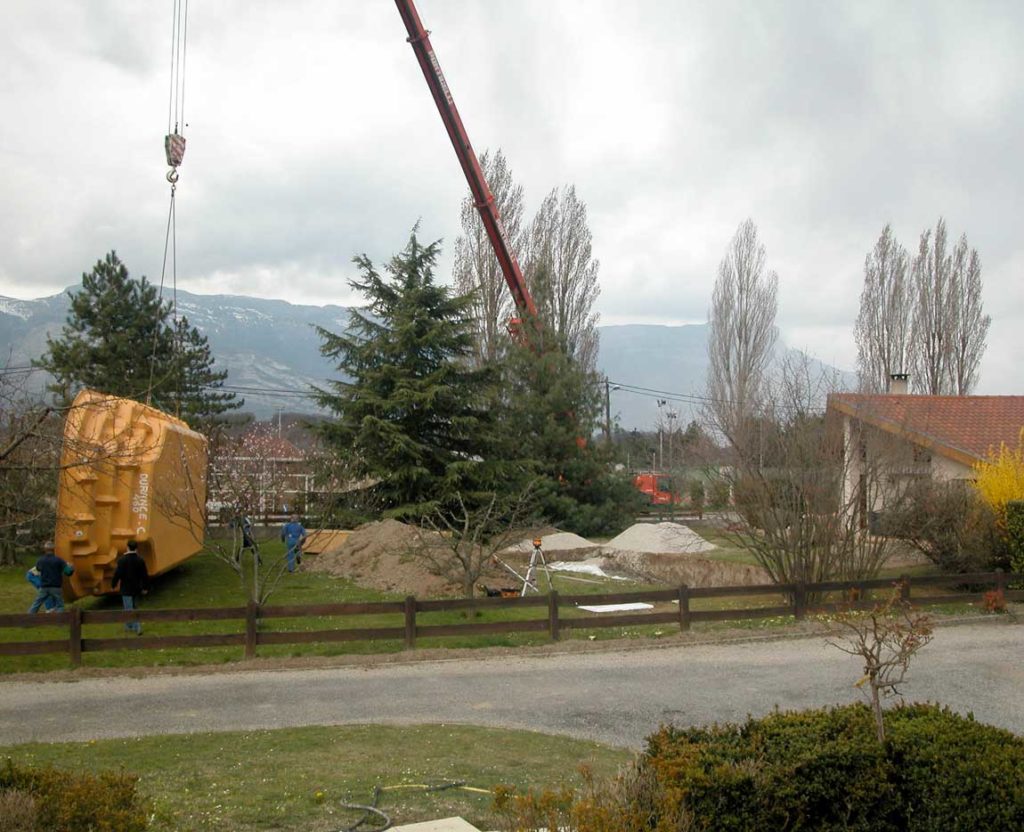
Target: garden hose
(373, 812)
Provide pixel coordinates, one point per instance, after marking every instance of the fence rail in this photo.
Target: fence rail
(802, 598)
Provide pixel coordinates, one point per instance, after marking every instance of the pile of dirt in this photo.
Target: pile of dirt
(666, 538)
(381, 556)
(675, 569)
(564, 545)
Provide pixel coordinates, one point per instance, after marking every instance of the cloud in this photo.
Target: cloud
(312, 138)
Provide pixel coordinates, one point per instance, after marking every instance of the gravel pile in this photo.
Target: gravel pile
(556, 542)
(660, 538)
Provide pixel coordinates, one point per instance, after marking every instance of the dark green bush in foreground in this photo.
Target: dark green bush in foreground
(824, 770)
(809, 771)
(68, 801)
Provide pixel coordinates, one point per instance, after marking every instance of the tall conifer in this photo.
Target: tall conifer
(413, 418)
(120, 339)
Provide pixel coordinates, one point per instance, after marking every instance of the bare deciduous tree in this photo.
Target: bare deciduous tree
(804, 488)
(237, 478)
(883, 325)
(949, 328)
(562, 274)
(886, 638)
(968, 324)
(459, 542)
(30, 443)
(742, 335)
(930, 327)
(476, 268)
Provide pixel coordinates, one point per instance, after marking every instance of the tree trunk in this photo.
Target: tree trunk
(876, 705)
(9, 547)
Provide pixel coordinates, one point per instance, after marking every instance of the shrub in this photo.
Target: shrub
(808, 771)
(950, 524)
(17, 811)
(696, 492)
(68, 801)
(719, 494)
(994, 601)
(1015, 533)
(999, 478)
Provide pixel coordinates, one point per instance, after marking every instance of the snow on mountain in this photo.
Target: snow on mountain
(14, 306)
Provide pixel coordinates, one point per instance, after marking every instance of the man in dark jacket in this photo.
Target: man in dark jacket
(51, 579)
(133, 577)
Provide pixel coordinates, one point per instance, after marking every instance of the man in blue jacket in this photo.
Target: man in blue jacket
(293, 535)
(51, 571)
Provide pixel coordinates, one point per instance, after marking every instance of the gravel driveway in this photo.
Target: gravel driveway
(614, 697)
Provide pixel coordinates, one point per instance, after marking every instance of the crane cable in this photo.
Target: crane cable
(174, 152)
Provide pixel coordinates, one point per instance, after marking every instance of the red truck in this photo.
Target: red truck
(658, 488)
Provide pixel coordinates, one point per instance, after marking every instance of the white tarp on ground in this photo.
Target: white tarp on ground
(661, 538)
(583, 567)
(616, 607)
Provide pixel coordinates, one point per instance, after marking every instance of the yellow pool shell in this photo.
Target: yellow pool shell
(128, 472)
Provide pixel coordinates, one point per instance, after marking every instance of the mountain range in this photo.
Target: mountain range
(271, 351)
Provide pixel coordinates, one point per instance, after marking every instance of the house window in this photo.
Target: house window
(922, 455)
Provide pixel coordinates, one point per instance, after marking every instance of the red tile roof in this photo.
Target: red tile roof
(964, 428)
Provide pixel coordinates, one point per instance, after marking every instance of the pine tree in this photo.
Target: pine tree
(414, 417)
(120, 339)
(199, 393)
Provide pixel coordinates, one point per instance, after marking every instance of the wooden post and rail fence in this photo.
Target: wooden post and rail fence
(800, 600)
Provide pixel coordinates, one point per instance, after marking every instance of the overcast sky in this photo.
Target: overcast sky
(312, 137)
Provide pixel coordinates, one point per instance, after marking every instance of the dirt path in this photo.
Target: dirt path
(615, 697)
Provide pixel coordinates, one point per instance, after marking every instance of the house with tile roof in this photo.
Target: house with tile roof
(261, 470)
(940, 437)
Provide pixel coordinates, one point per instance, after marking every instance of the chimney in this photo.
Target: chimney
(898, 384)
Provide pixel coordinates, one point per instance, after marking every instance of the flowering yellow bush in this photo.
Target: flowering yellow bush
(1000, 478)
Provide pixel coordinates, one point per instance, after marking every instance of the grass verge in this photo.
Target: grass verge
(296, 779)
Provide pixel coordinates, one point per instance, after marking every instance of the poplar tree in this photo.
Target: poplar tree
(120, 338)
(562, 273)
(882, 331)
(476, 268)
(741, 336)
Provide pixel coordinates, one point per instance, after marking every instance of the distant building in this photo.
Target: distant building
(906, 438)
(260, 474)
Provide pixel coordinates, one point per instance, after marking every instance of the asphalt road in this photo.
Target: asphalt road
(615, 697)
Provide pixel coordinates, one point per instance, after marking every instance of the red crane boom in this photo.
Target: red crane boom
(482, 196)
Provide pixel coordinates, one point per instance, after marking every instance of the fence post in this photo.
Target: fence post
(410, 622)
(251, 617)
(553, 626)
(800, 601)
(75, 637)
(684, 607)
(905, 588)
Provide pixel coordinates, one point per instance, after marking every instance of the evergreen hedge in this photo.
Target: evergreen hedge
(824, 770)
(806, 771)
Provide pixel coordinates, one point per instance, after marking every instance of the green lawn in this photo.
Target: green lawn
(296, 779)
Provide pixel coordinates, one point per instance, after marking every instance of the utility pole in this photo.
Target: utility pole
(607, 412)
(661, 434)
(671, 430)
